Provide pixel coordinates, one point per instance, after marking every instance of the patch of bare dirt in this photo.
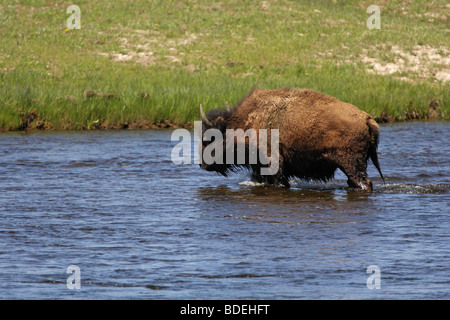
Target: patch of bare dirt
(141, 46)
(419, 62)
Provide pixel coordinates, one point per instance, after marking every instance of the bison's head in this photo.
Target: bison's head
(217, 121)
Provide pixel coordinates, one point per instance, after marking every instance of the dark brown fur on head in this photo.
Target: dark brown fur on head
(216, 119)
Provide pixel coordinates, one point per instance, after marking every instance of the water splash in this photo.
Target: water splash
(438, 188)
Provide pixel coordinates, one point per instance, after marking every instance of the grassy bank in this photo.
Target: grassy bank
(150, 64)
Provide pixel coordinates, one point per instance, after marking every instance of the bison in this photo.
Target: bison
(317, 135)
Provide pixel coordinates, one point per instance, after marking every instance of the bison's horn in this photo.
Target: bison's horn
(228, 107)
(205, 120)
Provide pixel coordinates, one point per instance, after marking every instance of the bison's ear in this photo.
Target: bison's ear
(220, 124)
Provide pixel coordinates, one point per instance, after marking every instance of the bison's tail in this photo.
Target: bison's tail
(374, 132)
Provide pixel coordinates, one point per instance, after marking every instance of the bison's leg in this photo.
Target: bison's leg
(277, 180)
(256, 177)
(355, 170)
(362, 183)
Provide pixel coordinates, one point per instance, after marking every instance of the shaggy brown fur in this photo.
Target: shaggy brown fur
(318, 134)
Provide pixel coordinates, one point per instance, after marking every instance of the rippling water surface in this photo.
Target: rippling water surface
(140, 227)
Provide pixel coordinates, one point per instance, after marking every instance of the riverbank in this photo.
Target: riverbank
(153, 64)
(31, 122)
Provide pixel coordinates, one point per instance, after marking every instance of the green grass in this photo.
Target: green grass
(178, 54)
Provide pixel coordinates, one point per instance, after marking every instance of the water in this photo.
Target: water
(140, 227)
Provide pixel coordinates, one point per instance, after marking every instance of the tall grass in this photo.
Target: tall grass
(201, 52)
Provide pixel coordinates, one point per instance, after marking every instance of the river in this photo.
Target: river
(137, 226)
